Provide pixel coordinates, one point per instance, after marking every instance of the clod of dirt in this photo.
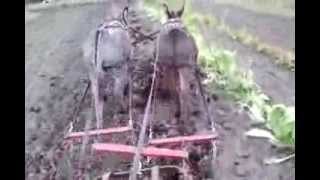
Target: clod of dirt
(84, 80)
(221, 112)
(35, 109)
(34, 137)
(227, 126)
(243, 153)
(161, 128)
(42, 75)
(55, 77)
(194, 156)
(215, 97)
(240, 171)
(257, 124)
(246, 108)
(138, 101)
(206, 169)
(172, 132)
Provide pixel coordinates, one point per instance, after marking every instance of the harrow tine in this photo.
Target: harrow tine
(155, 173)
(106, 176)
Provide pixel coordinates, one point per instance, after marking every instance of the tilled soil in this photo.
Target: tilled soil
(241, 157)
(275, 81)
(54, 68)
(276, 30)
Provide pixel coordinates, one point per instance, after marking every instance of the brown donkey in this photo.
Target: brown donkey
(177, 63)
(108, 63)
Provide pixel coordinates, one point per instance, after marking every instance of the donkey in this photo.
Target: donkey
(177, 47)
(108, 63)
(177, 57)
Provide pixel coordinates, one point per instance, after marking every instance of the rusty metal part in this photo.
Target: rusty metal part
(184, 139)
(154, 152)
(109, 131)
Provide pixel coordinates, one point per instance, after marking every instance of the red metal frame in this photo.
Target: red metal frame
(102, 148)
(109, 131)
(149, 151)
(203, 138)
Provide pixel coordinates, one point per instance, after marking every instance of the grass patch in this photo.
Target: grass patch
(282, 57)
(275, 7)
(225, 76)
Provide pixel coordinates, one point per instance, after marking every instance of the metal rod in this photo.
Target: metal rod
(144, 122)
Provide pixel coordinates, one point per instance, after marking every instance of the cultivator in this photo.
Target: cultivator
(173, 148)
(155, 147)
(176, 133)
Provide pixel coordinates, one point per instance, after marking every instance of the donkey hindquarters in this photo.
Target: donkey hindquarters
(178, 51)
(109, 70)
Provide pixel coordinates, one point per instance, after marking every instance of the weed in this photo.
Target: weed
(282, 57)
(276, 7)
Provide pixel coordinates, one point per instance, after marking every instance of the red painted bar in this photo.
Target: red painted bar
(146, 151)
(76, 135)
(181, 139)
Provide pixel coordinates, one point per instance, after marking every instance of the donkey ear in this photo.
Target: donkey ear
(167, 10)
(125, 15)
(180, 12)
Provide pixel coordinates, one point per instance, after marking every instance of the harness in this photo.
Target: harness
(174, 23)
(114, 24)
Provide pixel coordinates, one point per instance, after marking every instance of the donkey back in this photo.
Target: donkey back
(177, 47)
(112, 45)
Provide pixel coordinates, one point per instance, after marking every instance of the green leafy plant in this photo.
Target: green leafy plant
(281, 120)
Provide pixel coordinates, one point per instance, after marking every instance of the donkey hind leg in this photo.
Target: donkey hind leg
(120, 91)
(98, 102)
(183, 98)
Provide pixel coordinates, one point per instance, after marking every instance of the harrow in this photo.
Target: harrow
(155, 149)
